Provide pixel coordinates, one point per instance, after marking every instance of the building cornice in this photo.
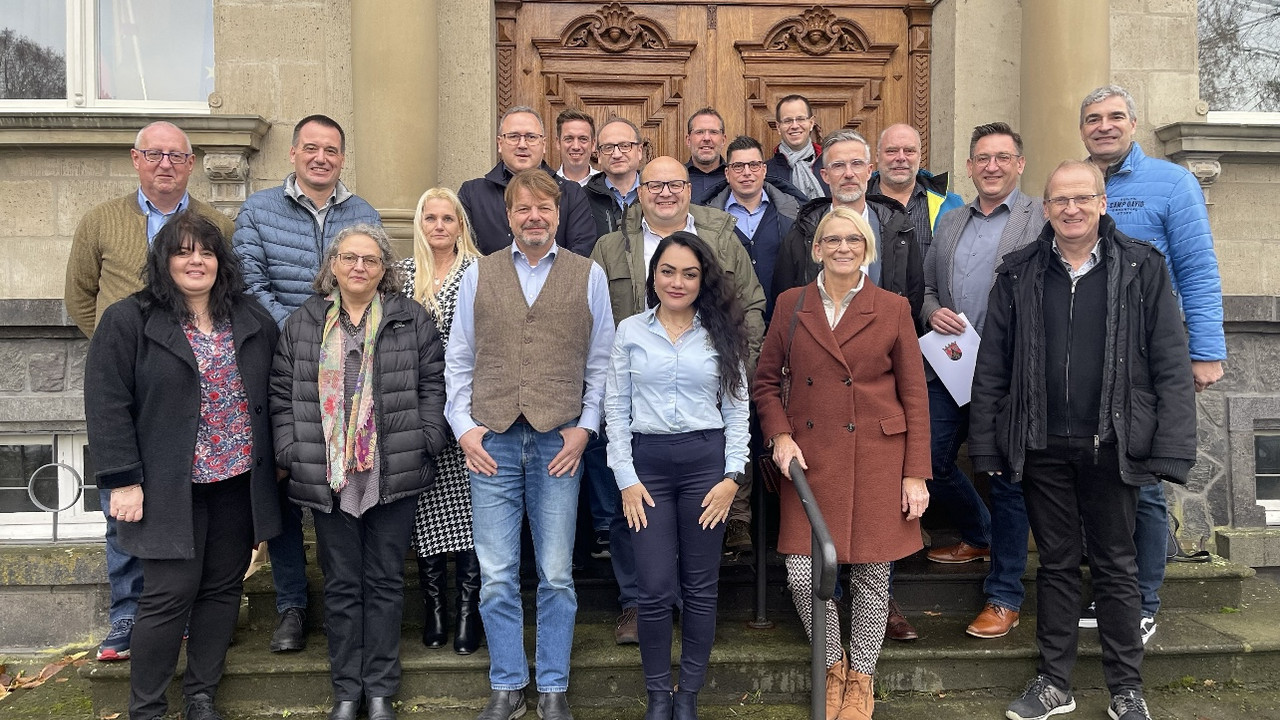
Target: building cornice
(1201, 147)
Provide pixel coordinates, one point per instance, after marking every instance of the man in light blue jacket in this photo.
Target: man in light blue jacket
(1159, 202)
(281, 235)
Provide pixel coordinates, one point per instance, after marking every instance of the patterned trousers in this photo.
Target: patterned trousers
(869, 595)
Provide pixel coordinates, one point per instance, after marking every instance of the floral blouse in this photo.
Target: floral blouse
(224, 438)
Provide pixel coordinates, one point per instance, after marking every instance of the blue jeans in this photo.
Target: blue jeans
(1009, 528)
(1151, 537)
(124, 571)
(288, 561)
(498, 504)
(950, 489)
(605, 488)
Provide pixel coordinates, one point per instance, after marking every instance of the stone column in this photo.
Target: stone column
(228, 173)
(394, 78)
(1065, 54)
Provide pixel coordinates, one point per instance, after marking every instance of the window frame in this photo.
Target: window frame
(76, 523)
(1270, 505)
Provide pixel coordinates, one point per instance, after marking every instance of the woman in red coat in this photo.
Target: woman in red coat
(857, 420)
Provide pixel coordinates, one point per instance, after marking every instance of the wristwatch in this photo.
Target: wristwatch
(737, 477)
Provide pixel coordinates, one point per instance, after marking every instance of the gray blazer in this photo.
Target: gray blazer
(1026, 219)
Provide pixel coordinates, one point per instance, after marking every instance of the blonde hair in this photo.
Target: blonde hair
(424, 260)
(844, 213)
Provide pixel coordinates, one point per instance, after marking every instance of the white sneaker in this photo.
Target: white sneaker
(1147, 627)
(1089, 616)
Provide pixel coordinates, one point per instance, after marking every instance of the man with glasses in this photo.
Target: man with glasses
(705, 140)
(795, 158)
(575, 131)
(1090, 314)
(958, 272)
(615, 188)
(522, 145)
(108, 252)
(899, 176)
(281, 237)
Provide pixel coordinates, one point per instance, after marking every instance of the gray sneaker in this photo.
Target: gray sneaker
(1040, 700)
(1128, 705)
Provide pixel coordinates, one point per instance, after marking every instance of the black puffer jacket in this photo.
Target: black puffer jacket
(901, 269)
(408, 404)
(1148, 396)
(604, 209)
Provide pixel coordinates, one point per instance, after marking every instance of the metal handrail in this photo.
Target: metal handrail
(823, 557)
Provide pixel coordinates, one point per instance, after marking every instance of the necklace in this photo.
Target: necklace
(675, 331)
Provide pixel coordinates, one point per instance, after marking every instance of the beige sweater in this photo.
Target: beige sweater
(109, 253)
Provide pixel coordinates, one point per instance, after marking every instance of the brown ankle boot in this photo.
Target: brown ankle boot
(859, 697)
(835, 687)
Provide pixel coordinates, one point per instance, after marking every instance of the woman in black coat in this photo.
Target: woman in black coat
(176, 400)
(357, 406)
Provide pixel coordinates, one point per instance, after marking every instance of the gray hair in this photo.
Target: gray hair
(517, 110)
(326, 281)
(846, 135)
(137, 140)
(1105, 92)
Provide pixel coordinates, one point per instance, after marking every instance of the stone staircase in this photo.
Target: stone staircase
(1217, 624)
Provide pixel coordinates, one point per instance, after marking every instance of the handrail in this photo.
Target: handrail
(823, 560)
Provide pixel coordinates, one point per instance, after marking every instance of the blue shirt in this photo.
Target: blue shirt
(627, 198)
(974, 261)
(155, 218)
(748, 220)
(460, 354)
(658, 387)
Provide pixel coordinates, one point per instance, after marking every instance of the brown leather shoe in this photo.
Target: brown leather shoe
(835, 687)
(993, 622)
(897, 627)
(961, 552)
(627, 631)
(859, 698)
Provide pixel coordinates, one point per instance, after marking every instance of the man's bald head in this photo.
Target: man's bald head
(667, 209)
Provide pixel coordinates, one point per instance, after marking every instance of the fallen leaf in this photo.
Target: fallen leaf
(58, 680)
(112, 716)
(932, 613)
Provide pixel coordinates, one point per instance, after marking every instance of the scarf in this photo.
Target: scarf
(350, 445)
(801, 162)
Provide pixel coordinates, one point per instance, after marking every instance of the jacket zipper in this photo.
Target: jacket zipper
(1071, 324)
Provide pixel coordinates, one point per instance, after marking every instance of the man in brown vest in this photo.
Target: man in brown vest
(525, 373)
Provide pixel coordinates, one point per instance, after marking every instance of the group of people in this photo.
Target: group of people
(653, 326)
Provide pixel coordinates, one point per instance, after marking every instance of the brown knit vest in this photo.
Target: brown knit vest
(530, 361)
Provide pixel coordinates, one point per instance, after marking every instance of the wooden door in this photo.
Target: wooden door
(864, 64)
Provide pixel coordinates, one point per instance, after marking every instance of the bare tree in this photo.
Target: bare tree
(29, 70)
(1240, 54)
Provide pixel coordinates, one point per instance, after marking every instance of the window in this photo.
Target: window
(106, 55)
(21, 457)
(1266, 459)
(1240, 59)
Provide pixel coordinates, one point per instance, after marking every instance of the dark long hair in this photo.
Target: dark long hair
(718, 309)
(190, 229)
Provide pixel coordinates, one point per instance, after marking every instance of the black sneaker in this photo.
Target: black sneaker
(116, 645)
(1040, 700)
(601, 549)
(737, 536)
(199, 707)
(1089, 616)
(1128, 705)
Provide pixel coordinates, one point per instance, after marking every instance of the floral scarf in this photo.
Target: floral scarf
(349, 447)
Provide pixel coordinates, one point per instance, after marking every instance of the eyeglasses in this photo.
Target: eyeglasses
(840, 166)
(738, 167)
(624, 147)
(514, 138)
(833, 242)
(794, 120)
(155, 156)
(1002, 159)
(675, 186)
(372, 262)
(1063, 201)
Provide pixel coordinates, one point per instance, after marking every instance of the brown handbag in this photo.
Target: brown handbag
(769, 470)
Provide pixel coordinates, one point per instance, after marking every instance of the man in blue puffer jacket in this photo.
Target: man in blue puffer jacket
(281, 235)
(1159, 202)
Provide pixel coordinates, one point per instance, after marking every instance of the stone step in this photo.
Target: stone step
(1240, 647)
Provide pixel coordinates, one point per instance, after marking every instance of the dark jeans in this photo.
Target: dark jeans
(605, 488)
(202, 593)
(1068, 484)
(950, 489)
(363, 564)
(1151, 536)
(1009, 528)
(288, 561)
(676, 560)
(124, 571)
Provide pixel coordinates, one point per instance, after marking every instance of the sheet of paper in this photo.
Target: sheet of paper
(953, 358)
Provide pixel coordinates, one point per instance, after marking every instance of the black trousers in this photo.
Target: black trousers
(1067, 486)
(202, 593)
(363, 563)
(676, 560)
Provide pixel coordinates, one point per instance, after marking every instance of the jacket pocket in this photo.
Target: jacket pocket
(894, 424)
(1142, 422)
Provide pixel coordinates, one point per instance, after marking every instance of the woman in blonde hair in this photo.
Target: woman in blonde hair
(442, 248)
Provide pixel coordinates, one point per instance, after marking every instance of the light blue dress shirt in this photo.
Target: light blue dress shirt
(155, 218)
(627, 198)
(460, 355)
(748, 220)
(658, 387)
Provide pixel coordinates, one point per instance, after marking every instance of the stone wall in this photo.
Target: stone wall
(41, 368)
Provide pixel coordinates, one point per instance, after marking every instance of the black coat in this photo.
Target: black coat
(142, 408)
(604, 209)
(1148, 395)
(778, 168)
(408, 402)
(483, 199)
(901, 266)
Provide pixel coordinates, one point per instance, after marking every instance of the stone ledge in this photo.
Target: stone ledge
(32, 565)
(1255, 547)
(1250, 308)
(53, 131)
(1236, 142)
(33, 312)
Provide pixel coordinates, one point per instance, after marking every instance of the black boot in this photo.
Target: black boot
(431, 576)
(685, 705)
(469, 632)
(659, 707)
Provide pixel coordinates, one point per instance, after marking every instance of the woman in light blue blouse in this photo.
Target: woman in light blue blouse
(676, 410)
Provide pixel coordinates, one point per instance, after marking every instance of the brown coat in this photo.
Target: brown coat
(859, 411)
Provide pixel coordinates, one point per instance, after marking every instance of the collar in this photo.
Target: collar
(148, 208)
(733, 200)
(822, 288)
(694, 168)
(339, 194)
(516, 252)
(1116, 166)
(688, 226)
(975, 207)
(635, 187)
(1095, 253)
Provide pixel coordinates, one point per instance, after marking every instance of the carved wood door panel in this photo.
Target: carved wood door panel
(863, 65)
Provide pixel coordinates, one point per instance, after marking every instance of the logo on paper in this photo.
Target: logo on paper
(953, 351)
